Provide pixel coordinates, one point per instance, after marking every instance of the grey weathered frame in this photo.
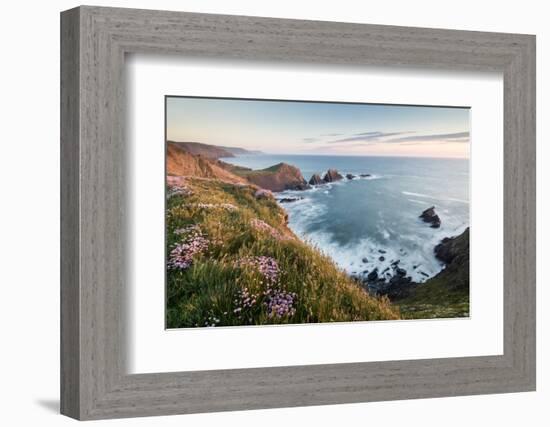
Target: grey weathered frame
(94, 41)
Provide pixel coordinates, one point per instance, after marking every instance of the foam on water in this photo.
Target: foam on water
(378, 216)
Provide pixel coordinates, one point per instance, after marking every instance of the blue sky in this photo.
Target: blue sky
(320, 128)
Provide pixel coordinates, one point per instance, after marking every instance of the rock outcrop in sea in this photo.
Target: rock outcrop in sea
(332, 175)
(315, 180)
(431, 217)
(289, 199)
(350, 176)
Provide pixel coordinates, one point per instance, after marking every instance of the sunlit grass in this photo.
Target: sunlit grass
(212, 291)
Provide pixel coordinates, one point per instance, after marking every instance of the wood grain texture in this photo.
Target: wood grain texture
(94, 272)
(70, 297)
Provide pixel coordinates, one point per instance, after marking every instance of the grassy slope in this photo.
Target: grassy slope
(447, 294)
(208, 292)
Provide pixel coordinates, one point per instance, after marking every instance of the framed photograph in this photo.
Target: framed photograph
(261, 213)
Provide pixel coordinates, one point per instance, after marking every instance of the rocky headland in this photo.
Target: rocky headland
(444, 295)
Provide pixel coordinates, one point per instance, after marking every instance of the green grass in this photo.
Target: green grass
(445, 295)
(434, 300)
(209, 291)
(246, 172)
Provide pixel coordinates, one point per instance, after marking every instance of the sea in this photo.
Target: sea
(371, 222)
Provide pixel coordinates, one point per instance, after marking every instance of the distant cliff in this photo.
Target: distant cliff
(180, 162)
(212, 151)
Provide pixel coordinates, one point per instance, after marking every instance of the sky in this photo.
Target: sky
(291, 127)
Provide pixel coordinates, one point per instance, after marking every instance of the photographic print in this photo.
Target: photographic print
(291, 212)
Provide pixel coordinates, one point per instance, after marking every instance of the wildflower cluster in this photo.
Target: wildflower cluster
(277, 302)
(178, 190)
(263, 226)
(267, 266)
(244, 300)
(224, 206)
(188, 229)
(181, 257)
(212, 321)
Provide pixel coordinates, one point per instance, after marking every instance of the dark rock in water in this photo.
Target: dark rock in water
(300, 187)
(350, 176)
(365, 271)
(395, 263)
(290, 199)
(381, 258)
(397, 287)
(386, 269)
(365, 260)
(315, 180)
(332, 175)
(364, 175)
(414, 267)
(431, 217)
(424, 274)
(382, 251)
(373, 275)
(400, 271)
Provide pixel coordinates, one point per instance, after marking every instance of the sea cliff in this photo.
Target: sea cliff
(228, 216)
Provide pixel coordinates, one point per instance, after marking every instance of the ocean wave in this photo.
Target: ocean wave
(416, 257)
(427, 196)
(420, 202)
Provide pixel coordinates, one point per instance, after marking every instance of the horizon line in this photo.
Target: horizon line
(262, 152)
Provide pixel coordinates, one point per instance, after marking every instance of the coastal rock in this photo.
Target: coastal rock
(401, 272)
(455, 253)
(300, 187)
(350, 176)
(290, 199)
(431, 217)
(364, 175)
(395, 288)
(449, 248)
(315, 179)
(381, 258)
(365, 260)
(373, 275)
(279, 177)
(332, 175)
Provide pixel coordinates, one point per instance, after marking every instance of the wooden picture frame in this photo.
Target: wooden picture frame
(94, 41)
